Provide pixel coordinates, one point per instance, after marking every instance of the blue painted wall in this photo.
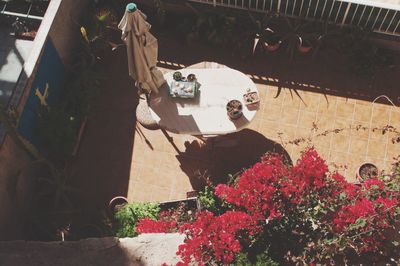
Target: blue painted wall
(52, 71)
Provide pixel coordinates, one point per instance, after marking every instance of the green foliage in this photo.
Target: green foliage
(223, 30)
(57, 129)
(393, 179)
(160, 10)
(57, 126)
(365, 58)
(262, 259)
(208, 200)
(128, 216)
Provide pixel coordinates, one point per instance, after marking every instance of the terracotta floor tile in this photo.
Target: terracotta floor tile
(323, 152)
(358, 146)
(363, 113)
(360, 130)
(271, 98)
(149, 174)
(290, 116)
(323, 142)
(286, 114)
(343, 123)
(305, 133)
(295, 154)
(395, 117)
(380, 116)
(136, 169)
(339, 158)
(140, 192)
(272, 112)
(340, 142)
(327, 105)
(160, 194)
(388, 166)
(345, 109)
(377, 134)
(392, 150)
(311, 101)
(262, 90)
(307, 119)
(324, 122)
(137, 155)
(376, 149)
(289, 132)
(291, 100)
(269, 129)
(255, 124)
(270, 93)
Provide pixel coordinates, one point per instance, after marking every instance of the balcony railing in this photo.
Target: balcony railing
(379, 16)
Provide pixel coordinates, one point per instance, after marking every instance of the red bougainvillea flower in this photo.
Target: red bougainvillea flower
(215, 237)
(256, 188)
(273, 191)
(310, 171)
(373, 183)
(147, 225)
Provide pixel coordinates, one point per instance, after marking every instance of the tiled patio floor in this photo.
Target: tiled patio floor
(159, 174)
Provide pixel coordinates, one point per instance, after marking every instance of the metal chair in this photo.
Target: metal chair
(145, 119)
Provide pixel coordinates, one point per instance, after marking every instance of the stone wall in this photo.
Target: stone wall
(64, 31)
(61, 27)
(146, 249)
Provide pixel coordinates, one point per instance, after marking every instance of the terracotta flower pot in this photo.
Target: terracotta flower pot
(116, 203)
(304, 49)
(367, 171)
(304, 46)
(272, 47)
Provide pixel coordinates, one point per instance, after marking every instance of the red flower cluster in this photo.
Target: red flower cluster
(256, 188)
(147, 225)
(271, 186)
(366, 220)
(272, 190)
(215, 237)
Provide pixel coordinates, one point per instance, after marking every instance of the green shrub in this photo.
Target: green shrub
(57, 129)
(262, 259)
(128, 216)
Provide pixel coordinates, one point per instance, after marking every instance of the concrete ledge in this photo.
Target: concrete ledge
(146, 249)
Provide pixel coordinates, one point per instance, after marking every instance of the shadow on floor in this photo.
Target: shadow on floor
(327, 73)
(221, 156)
(103, 162)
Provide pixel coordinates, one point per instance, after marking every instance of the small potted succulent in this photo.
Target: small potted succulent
(177, 76)
(234, 109)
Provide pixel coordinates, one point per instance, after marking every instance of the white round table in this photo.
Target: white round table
(206, 113)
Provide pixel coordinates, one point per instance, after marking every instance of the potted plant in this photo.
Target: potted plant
(299, 36)
(234, 109)
(266, 32)
(127, 217)
(272, 40)
(367, 171)
(117, 203)
(305, 46)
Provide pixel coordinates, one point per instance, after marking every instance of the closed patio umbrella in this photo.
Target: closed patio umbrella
(142, 49)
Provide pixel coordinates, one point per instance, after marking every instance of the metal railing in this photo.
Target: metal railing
(26, 14)
(377, 16)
